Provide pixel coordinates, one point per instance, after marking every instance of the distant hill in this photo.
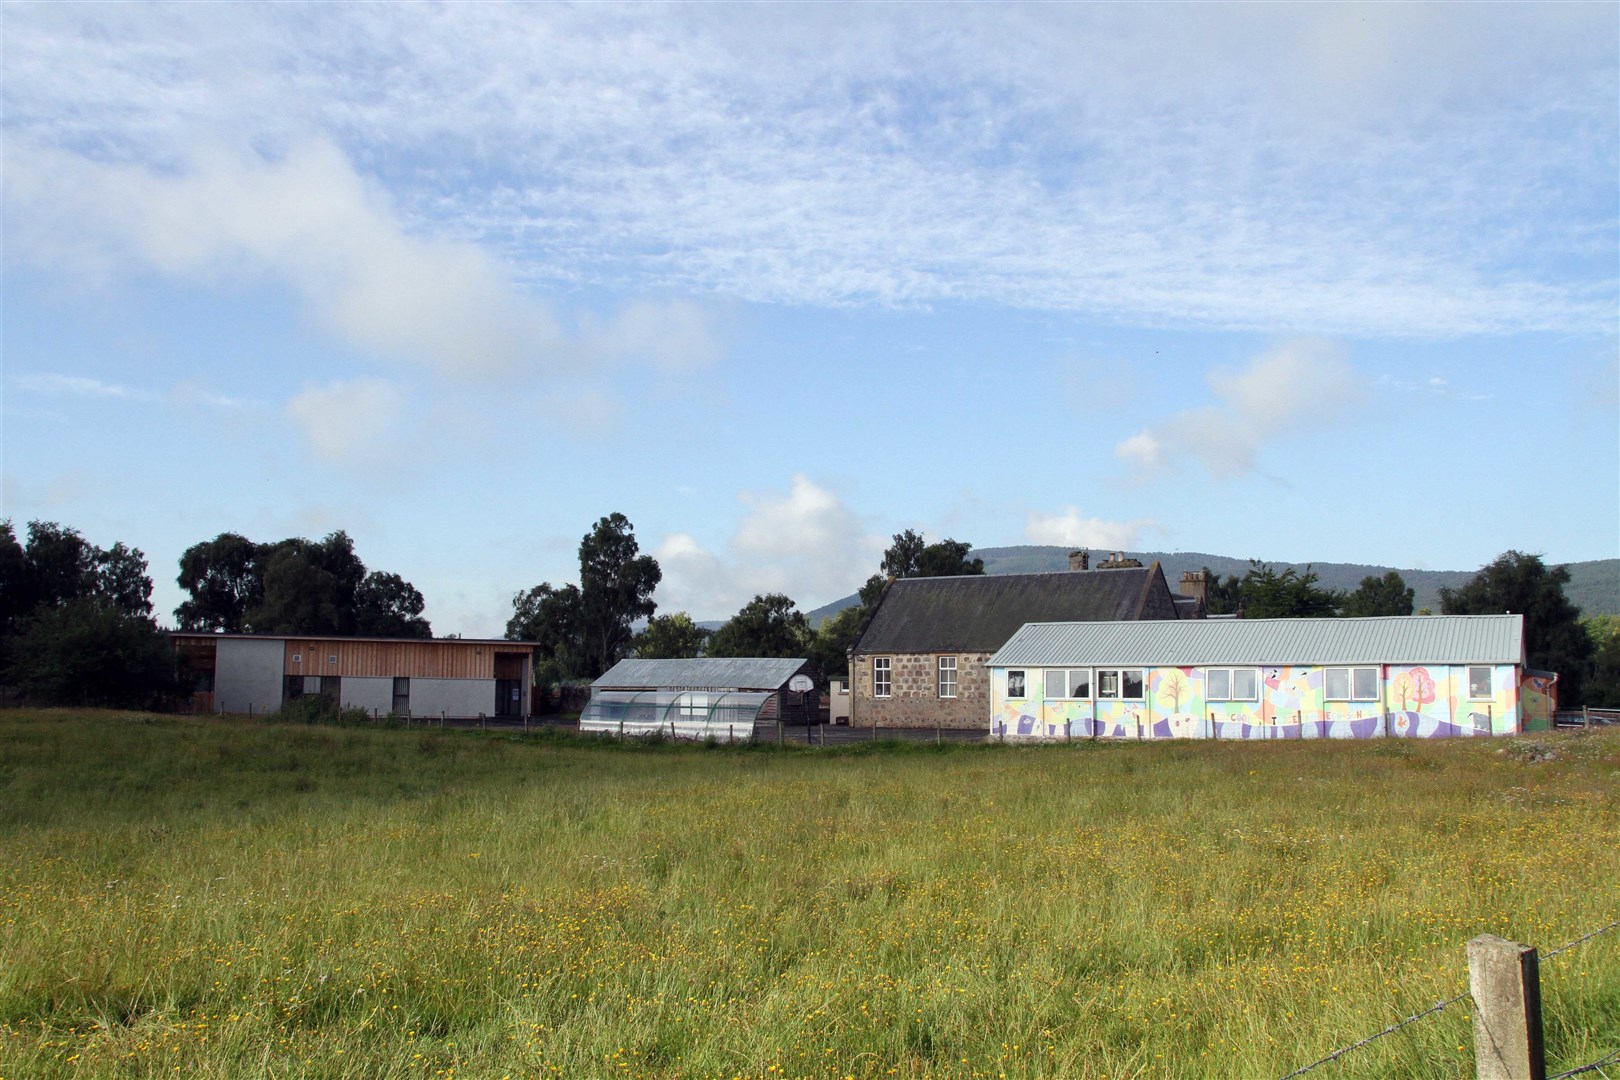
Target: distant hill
(1594, 586)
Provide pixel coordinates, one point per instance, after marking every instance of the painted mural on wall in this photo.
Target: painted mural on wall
(1289, 702)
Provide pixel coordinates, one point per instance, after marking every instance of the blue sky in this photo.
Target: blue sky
(1295, 282)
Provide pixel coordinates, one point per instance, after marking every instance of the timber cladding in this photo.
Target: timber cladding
(404, 659)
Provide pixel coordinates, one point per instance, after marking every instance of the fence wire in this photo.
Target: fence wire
(1440, 1005)
(1414, 1018)
(1583, 939)
(1596, 1066)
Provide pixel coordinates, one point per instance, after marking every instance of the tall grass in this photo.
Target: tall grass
(225, 899)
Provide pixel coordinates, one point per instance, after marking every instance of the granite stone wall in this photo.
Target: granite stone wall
(914, 699)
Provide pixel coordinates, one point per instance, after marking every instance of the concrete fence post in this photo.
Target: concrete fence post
(1505, 981)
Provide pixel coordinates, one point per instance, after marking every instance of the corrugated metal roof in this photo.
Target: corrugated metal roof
(1405, 639)
(738, 673)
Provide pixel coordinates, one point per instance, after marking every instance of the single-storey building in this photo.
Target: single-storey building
(456, 678)
(1410, 675)
(704, 698)
(920, 660)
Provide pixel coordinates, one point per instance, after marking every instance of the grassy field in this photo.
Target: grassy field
(227, 899)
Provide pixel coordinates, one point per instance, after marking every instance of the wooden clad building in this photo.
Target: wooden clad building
(452, 677)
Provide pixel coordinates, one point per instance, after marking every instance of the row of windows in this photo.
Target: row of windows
(1126, 684)
(883, 677)
(1220, 684)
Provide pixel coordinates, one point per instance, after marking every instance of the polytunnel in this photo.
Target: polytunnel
(726, 716)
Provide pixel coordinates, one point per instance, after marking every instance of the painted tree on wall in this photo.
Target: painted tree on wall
(1171, 689)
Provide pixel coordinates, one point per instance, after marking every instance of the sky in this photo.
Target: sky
(1332, 283)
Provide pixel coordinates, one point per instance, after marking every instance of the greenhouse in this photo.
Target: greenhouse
(703, 698)
(680, 714)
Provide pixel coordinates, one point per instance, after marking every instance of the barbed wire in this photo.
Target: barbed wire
(1432, 1009)
(1440, 1005)
(1607, 1059)
(1583, 939)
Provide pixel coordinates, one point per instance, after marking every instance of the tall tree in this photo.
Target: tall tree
(829, 648)
(1603, 688)
(294, 586)
(549, 617)
(1554, 639)
(1222, 597)
(225, 577)
(301, 596)
(89, 651)
(386, 605)
(1290, 594)
(670, 637)
(1387, 595)
(616, 584)
(911, 556)
(768, 625)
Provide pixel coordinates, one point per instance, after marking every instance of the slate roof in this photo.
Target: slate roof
(1394, 639)
(979, 613)
(740, 673)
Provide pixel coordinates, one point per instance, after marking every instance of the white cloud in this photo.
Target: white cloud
(1069, 529)
(805, 543)
(1370, 170)
(1299, 384)
(353, 422)
(308, 219)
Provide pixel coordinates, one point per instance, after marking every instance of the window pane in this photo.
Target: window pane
(1015, 684)
(1366, 679)
(1057, 683)
(880, 676)
(1479, 682)
(1079, 683)
(947, 676)
(1108, 684)
(1245, 685)
(1338, 684)
(1220, 684)
(1133, 682)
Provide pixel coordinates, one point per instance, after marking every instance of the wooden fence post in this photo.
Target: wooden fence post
(1505, 981)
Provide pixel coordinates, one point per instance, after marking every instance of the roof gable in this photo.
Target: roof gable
(979, 613)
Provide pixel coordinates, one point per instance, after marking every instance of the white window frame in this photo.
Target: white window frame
(1490, 682)
(1231, 684)
(1066, 677)
(1023, 685)
(1118, 674)
(946, 686)
(1349, 684)
(882, 676)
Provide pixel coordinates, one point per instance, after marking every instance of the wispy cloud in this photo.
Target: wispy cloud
(310, 220)
(1341, 170)
(1299, 384)
(54, 385)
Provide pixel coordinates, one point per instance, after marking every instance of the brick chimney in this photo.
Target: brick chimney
(1118, 561)
(1080, 560)
(1196, 585)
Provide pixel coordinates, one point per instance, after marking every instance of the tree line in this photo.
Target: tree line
(77, 628)
(1556, 639)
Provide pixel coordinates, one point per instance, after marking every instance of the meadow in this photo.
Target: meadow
(218, 898)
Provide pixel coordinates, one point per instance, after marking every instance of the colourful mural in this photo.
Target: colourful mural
(1289, 702)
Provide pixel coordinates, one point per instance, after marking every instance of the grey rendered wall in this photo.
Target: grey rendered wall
(453, 697)
(370, 694)
(247, 675)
